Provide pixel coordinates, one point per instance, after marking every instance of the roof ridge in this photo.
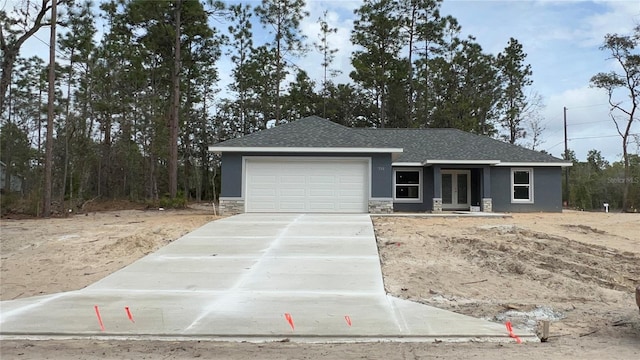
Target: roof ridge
(410, 129)
(348, 129)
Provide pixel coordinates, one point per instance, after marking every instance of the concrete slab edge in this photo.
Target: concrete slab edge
(319, 339)
(452, 215)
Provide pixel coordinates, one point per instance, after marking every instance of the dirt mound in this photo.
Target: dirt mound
(135, 244)
(525, 269)
(537, 254)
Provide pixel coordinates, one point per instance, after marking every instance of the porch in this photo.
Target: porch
(439, 188)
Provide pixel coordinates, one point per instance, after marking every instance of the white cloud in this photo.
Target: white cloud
(340, 17)
(620, 18)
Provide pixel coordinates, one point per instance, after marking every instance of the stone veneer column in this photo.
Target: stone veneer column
(437, 205)
(487, 205)
(231, 207)
(380, 206)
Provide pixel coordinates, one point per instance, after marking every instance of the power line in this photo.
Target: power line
(594, 105)
(77, 65)
(600, 136)
(549, 148)
(590, 122)
(47, 44)
(548, 121)
(586, 106)
(589, 137)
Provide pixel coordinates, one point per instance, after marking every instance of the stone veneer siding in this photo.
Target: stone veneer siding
(487, 205)
(380, 206)
(231, 207)
(437, 205)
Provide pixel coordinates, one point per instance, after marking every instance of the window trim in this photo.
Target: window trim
(420, 185)
(530, 200)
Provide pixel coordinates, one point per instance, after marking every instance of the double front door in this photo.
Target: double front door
(456, 189)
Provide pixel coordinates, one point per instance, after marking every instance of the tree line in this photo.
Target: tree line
(596, 182)
(137, 103)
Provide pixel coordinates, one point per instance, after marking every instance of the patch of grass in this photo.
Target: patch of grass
(179, 202)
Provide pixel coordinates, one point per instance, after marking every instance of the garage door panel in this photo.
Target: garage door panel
(296, 192)
(345, 179)
(321, 193)
(301, 185)
(291, 206)
(322, 179)
(264, 180)
(292, 179)
(264, 207)
(350, 187)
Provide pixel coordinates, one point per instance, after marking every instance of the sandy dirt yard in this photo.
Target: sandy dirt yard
(575, 269)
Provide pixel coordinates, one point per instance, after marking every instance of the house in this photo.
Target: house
(315, 165)
(16, 181)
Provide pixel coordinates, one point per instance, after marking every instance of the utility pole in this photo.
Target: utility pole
(174, 122)
(48, 162)
(566, 156)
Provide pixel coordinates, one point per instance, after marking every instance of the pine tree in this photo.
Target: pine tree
(421, 26)
(77, 45)
(241, 45)
(282, 18)
(515, 76)
(328, 55)
(377, 32)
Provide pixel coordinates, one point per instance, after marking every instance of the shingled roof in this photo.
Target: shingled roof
(416, 145)
(424, 145)
(309, 132)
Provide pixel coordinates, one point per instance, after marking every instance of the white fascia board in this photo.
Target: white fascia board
(408, 164)
(462, 162)
(219, 149)
(561, 164)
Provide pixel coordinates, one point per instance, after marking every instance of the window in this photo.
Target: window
(522, 185)
(407, 185)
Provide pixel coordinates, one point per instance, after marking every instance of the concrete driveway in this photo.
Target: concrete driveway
(251, 277)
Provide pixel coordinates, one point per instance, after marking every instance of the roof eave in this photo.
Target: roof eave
(535, 164)
(407, 164)
(284, 149)
(461, 162)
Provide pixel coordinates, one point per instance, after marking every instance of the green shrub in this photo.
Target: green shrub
(179, 202)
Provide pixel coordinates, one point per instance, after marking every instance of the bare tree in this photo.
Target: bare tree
(533, 120)
(15, 29)
(626, 80)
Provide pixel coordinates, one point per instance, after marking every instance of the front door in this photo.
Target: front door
(456, 189)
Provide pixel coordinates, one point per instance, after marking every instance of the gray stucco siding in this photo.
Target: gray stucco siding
(231, 175)
(547, 190)
(381, 171)
(381, 176)
(427, 194)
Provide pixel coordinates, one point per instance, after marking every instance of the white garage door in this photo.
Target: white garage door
(301, 185)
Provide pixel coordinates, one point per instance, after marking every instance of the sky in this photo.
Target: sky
(561, 40)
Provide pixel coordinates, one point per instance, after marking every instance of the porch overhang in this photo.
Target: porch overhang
(481, 162)
(461, 162)
(535, 164)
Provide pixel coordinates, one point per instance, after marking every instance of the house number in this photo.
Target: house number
(380, 168)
